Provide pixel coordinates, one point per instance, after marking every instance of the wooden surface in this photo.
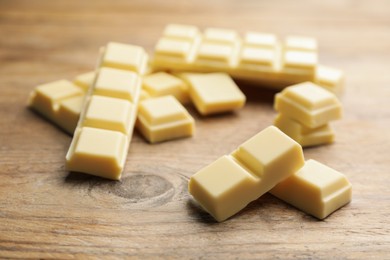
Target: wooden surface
(45, 212)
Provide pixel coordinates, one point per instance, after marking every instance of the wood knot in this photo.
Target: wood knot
(135, 189)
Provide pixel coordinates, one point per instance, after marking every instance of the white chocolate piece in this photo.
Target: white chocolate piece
(108, 113)
(164, 118)
(214, 92)
(227, 185)
(182, 32)
(300, 60)
(219, 35)
(178, 44)
(57, 101)
(301, 43)
(98, 152)
(330, 78)
(125, 57)
(69, 113)
(215, 52)
(218, 49)
(105, 127)
(150, 69)
(315, 189)
(65, 111)
(65, 108)
(85, 80)
(258, 57)
(117, 83)
(224, 187)
(308, 104)
(305, 136)
(144, 95)
(163, 84)
(260, 53)
(173, 49)
(265, 40)
(268, 155)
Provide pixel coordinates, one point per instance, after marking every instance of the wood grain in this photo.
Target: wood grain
(46, 212)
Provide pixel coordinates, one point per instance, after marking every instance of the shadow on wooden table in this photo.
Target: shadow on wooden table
(82, 178)
(262, 208)
(256, 93)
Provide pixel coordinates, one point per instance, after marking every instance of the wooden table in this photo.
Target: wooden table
(46, 212)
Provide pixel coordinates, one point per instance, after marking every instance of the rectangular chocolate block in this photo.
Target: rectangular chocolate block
(101, 140)
(258, 56)
(315, 189)
(163, 84)
(85, 80)
(304, 135)
(331, 79)
(59, 101)
(214, 93)
(227, 185)
(308, 104)
(164, 118)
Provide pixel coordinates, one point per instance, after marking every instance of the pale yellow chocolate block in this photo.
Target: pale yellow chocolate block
(220, 35)
(305, 136)
(183, 32)
(177, 49)
(108, 113)
(210, 53)
(125, 57)
(300, 59)
(258, 57)
(144, 95)
(226, 186)
(150, 69)
(106, 123)
(218, 50)
(164, 118)
(117, 83)
(263, 68)
(163, 84)
(301, 43)
(47, 99)
(98, 152)
(69, 109)
(214, 92)
(271, 155)
(85, 80)
(264, 40)
(330, 78)
(308, 104)
(69, 112)
(315, 189)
